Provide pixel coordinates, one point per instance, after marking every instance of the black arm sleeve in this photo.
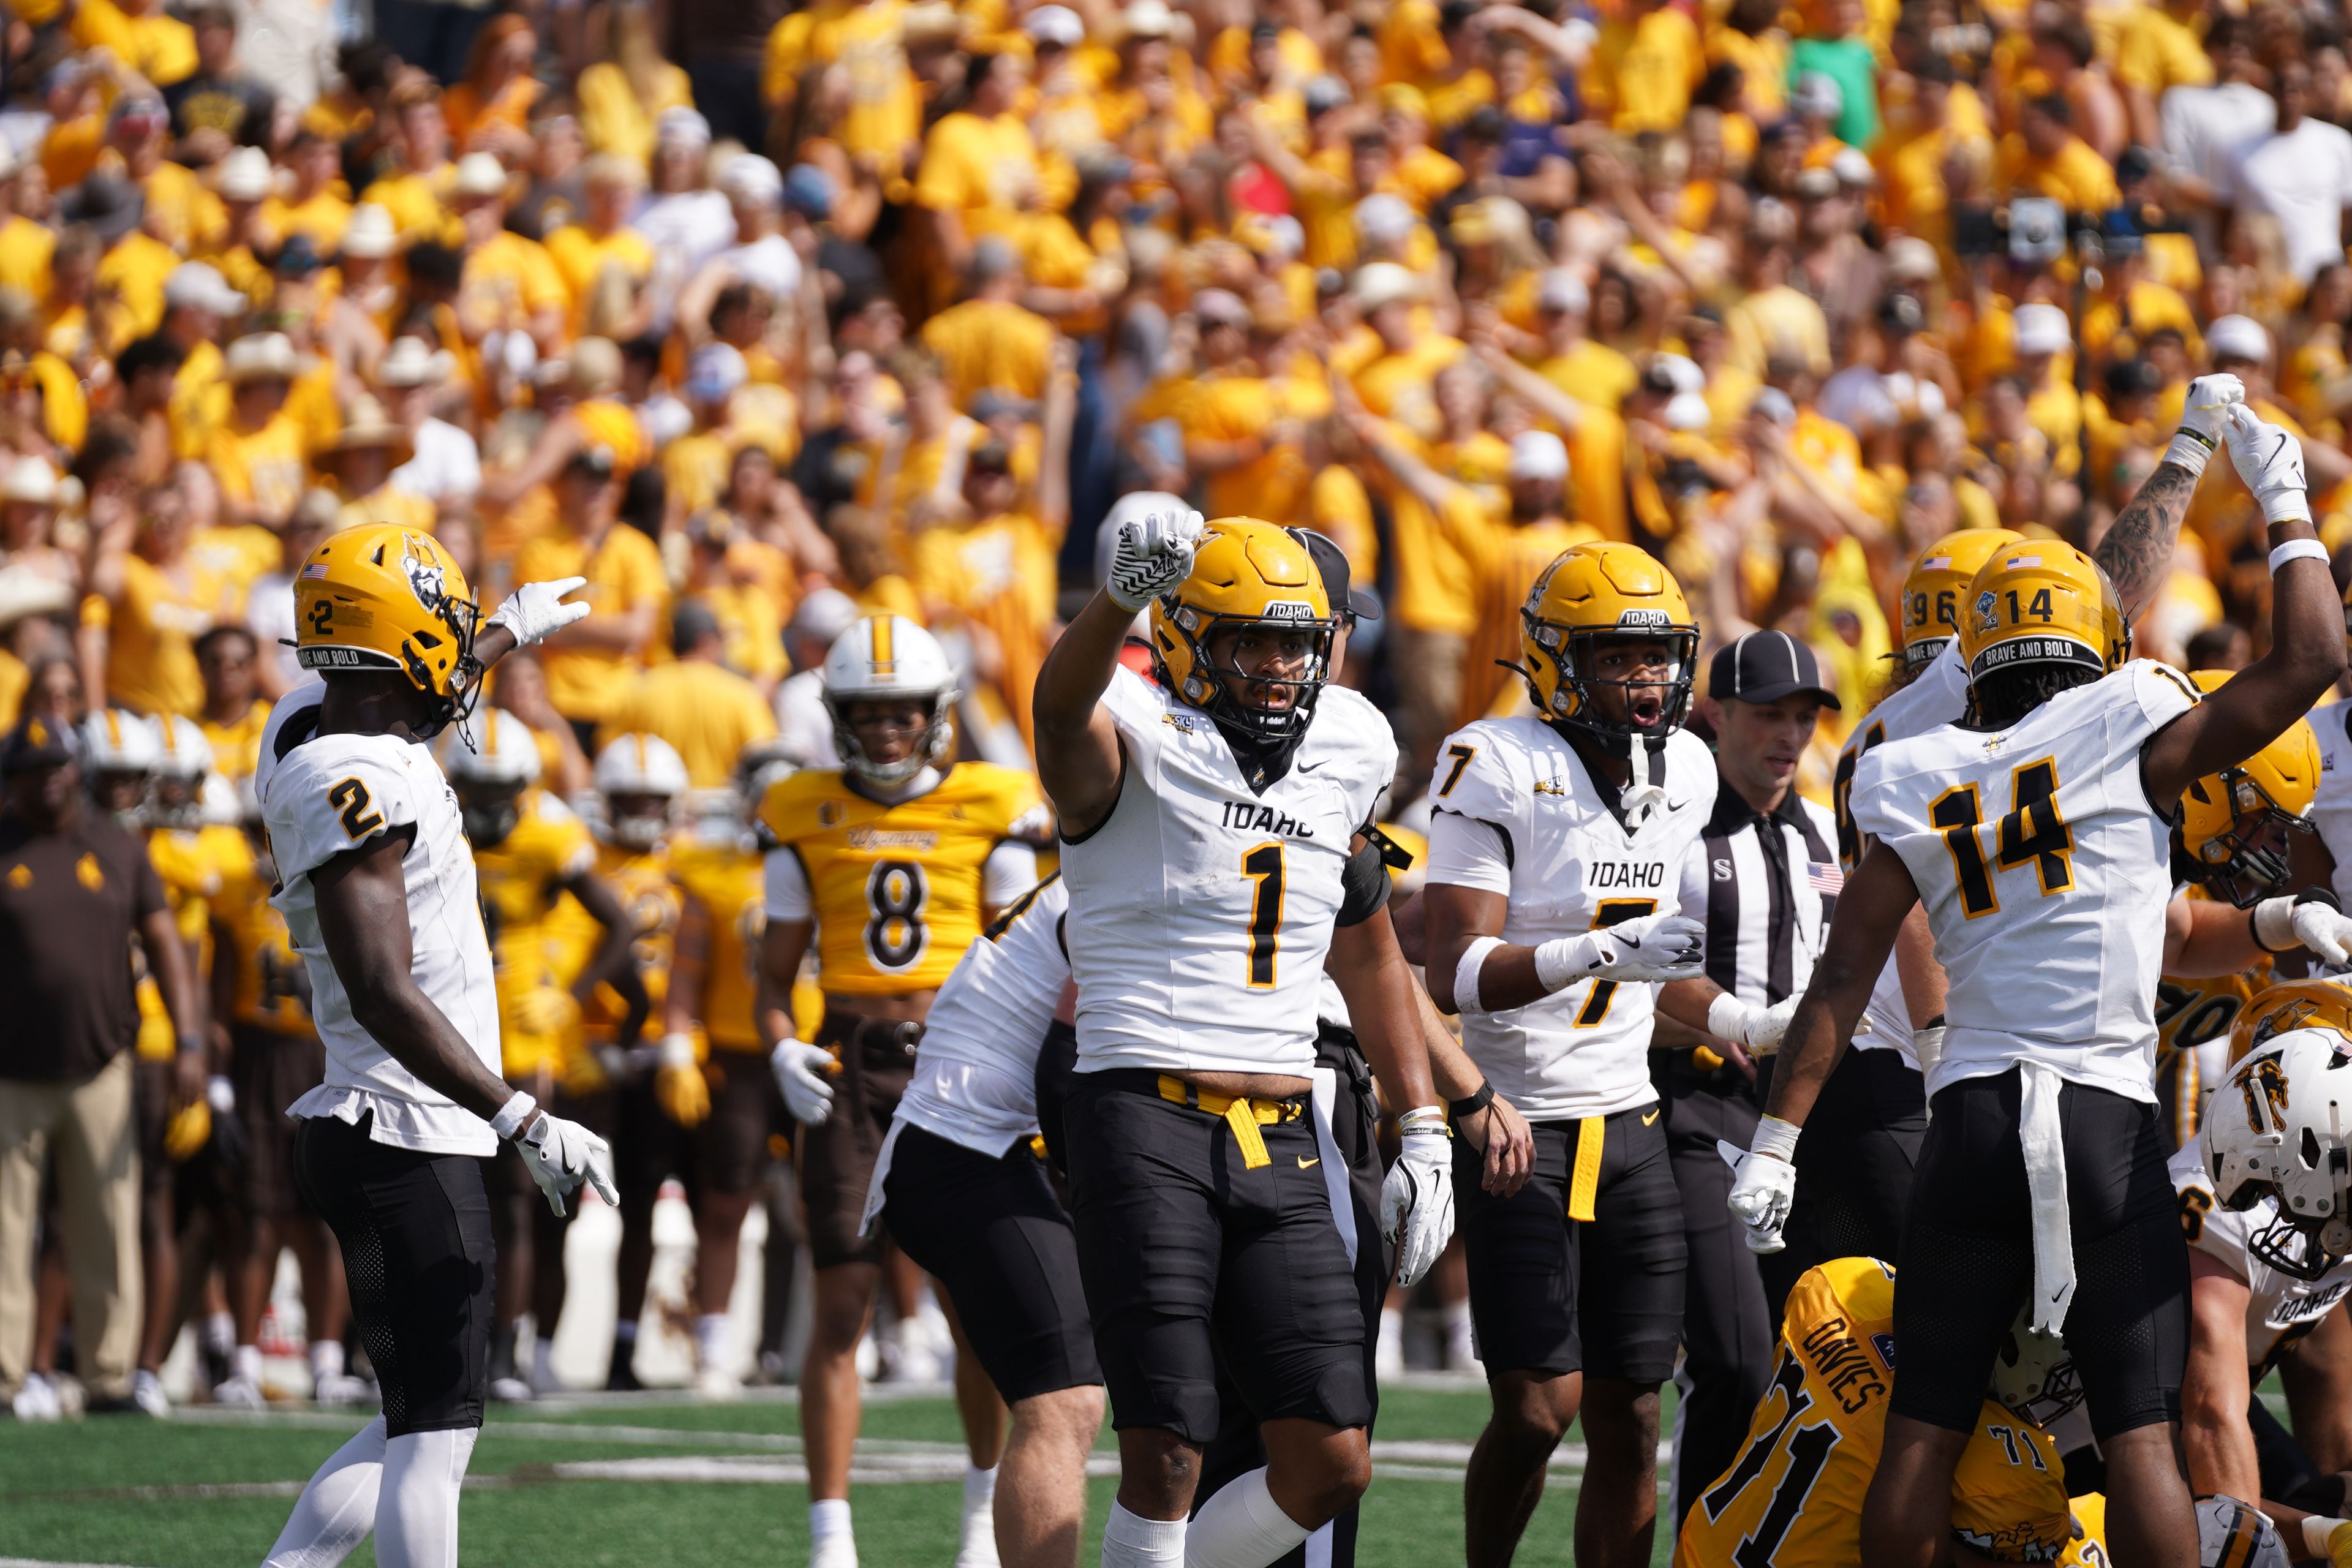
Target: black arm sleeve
(1364, 886)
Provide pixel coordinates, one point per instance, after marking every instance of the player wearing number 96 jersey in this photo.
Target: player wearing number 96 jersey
(2036, 835)
(889, 868)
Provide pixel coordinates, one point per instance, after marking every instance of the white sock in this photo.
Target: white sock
(542, 1363)
(326, 1359)
(337, 1510)
(245, 1361)
(220, 1332)
(828, 1516)
(1131, 1541)
(1457, 1316)
(416, 1517)
(1241, 1527)
(1393, 1326)
(710, 1338)
(979, 1488)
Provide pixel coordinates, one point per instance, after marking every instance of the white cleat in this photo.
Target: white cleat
(717, 1383)
(834, 1551)
(510, 1391)
(239, 1393)
(147, 1393)
(978, 1548)
(37, 1400)
(341, 1388)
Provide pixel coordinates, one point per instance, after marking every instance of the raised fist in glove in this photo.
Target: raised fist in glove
(560, 1155)
(535, 609)
(1763, 1182)
(2204, 420)
(1757, 1029)
(2270, 459)
(1649, 948)
(2310, 920)
(678, 1086)
(1417, 1196)
(805, 1074)
(1154, 553)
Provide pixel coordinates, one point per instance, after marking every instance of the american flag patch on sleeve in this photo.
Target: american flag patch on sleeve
(1824, 878)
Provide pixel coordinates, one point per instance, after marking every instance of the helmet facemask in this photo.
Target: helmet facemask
(2304, 1250)
(490, 810)
(638, 820)
(937, 736)
(113, 789)
(176, 800)
(2033, 1375)
(1241, 703)
(1574, 650)
(2247, 863)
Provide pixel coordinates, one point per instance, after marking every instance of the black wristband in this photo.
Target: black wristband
(1461, 1108)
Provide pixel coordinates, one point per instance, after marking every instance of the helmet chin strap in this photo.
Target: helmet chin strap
(1645, 786)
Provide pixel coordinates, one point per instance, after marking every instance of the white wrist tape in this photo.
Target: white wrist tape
(2316, 1532)
(1776, 1138)
(2190, 450)
(1466, 973)
(1928, 1046)
(677, 1050)
(2298, 549)
(2275, 924)
(1563, 961)
(514, 1114)
(1729, 1018)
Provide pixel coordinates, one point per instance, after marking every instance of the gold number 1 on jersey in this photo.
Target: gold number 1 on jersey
(1264, 864)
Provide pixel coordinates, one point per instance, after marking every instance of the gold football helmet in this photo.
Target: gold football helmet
(1937, 586)
(1245, 574)
(2042, 601)
(2290, 1004)
(380, 596)
(2234, 823)
(1592, 592)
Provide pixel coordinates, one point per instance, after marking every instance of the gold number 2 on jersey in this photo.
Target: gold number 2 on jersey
(2031, 833)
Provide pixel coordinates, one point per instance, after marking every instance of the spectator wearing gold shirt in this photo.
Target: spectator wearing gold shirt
(704, 710)
(590, 663)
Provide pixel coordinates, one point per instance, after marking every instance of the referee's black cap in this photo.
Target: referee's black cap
(1764, 667)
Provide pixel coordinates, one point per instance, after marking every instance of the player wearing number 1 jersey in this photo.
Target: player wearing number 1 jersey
(2036, 835)
(886, 868)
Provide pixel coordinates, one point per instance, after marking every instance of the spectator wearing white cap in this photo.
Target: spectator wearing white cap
(198, 304)
(696, 466)
(508, 284)
(685, 220)
(2301, 174)
(761, 255)
(258, 454)
(447, 468)
(1385, 226)
(2052, 405)
(1591, 373)
(39, 577)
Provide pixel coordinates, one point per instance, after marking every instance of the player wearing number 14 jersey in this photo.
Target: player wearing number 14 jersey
(890, 867)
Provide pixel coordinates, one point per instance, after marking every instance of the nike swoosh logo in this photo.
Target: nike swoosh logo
(1677, 805)
(1310, 767)
(1307, 1164)
(1649, 1119)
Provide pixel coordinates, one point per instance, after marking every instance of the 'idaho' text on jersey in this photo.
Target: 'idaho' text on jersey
(1517, 814)
(322, 796)
(1197, 935)
(2045, 873)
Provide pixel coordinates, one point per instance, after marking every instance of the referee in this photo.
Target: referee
(1764, 879)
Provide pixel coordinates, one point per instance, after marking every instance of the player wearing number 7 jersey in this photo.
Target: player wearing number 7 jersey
(889, 868)
(2036, 834)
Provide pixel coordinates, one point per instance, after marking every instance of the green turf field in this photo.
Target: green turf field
(644, 1479)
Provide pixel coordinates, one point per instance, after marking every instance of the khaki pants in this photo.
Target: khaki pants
(89, 1127)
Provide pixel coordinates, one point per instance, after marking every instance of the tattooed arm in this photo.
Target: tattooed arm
(2138, 547)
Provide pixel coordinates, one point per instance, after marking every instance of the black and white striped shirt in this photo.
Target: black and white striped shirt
(1766, 884)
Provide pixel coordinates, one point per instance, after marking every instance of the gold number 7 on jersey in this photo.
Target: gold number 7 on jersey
(1611, 912)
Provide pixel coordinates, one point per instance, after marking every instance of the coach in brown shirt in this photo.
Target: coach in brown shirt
(75, 889)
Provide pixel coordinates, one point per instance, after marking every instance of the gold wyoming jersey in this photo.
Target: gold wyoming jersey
(272, 990)
(641, 880)
(193, 865)
(896, 889)
(725, 881)
(1793, 1498)
(521, 881)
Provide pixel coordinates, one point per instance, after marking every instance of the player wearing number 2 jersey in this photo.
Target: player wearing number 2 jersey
(888, 868)
(2036, 834)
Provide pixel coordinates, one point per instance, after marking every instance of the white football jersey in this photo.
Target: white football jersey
(1200, 912)
(320, 797)
(2331, 806)
(2045, 873)
(1939, 696)
(975, 1080)
(2280, 1308)
(1517, 814)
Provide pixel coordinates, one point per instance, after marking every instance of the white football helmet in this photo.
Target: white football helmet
(2033, 1375)
(889, 658)
(183, 757)
(647, 772)
(491, 763)
(2276, 1129)
(117, 741)
(2233, 1534)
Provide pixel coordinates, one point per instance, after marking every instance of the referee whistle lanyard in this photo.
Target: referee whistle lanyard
(1324, 1097)
(2044, 1146)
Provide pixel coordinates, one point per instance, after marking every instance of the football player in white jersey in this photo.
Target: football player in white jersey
(1214, 845)
(2036, 834)
(2266, 1277)
(1556, 855)
(379, 898)
(2331, 807)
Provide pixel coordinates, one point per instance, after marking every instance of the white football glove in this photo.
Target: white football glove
(1760, 1029)
(1154, 553)
(561, 1154)
(1417, 1196)
(2204, 420)
(1763, 1180)
(1651, 948)
(2270, 459)
(2309, 922)
(533, 610)
(804, 1072)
